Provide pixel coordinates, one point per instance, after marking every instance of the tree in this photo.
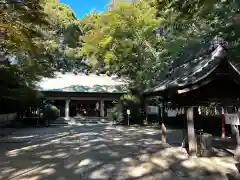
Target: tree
(66, 25)
(122, 39)
(199, 21)
(22, 23)
(29, 36)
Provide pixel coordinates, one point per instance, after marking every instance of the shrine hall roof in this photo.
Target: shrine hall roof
(70, 82)
(190, 72)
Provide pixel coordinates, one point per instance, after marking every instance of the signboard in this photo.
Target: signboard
(154, 110)
(232, 119)
(128, 111)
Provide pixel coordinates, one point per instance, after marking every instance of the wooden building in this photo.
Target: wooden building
(208, 78)
(81, 94)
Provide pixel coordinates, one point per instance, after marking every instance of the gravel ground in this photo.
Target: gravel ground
(102, 152)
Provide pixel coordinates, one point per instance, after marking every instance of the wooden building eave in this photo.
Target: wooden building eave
(191, 76)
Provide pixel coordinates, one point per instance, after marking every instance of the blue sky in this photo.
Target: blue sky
(82, 7)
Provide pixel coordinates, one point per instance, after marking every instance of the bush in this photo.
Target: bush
(133, 103)
(50, 113)
(119, 112)
(116, 114)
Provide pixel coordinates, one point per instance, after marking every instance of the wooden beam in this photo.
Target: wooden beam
(194, 87)
(82, 98)
(164, 129)
(191, 132)
(222, 123)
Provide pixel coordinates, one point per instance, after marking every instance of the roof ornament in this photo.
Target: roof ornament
(217, 40)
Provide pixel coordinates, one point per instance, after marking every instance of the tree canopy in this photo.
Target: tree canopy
(135, 39)
(30, 32)
(123, 38)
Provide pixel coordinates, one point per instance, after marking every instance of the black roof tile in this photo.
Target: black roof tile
(190, 71)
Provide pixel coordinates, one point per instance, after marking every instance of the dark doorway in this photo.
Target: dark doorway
(84, 108)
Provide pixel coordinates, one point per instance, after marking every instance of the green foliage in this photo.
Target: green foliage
(130, 102)
(122, 40)
(17, 89)
(30, 36)
(130, 98)
(195, 22)
(22, 25)
(50, 112)
(116, 114)
(133, 103)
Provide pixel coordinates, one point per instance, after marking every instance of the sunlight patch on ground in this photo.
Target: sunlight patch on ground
(60, 155)
(144, 157)
(132, 129)
(85, 162)
(120, 129)
(129, 144)
(162, 163)
(19, 175)
(140, 170)
(155, 142)
(16, 152)
(86, 145)
(151, 133)
(46, 157)
(189, 164)
(100, 146)
(130, 161)
(6, 171)
(36, 177)
(22, 137)
(221, 163)
(70, 165)
(103, 172)
(127, 159)
(48, 171)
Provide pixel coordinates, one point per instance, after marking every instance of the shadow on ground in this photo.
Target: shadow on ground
(104, 152)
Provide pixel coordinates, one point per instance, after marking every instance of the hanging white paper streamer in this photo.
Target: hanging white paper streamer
(199, 110)
(215, 111)
(207, 111)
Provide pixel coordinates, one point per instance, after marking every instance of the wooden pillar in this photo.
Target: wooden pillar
(223, 123)
(102, 108)
(191, 132)
(67, 109)
(237, 152)
(164, 129)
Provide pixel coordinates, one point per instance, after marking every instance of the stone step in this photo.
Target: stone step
(81, 120)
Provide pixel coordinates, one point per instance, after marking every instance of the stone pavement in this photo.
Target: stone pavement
(6, 131)
(104, 152)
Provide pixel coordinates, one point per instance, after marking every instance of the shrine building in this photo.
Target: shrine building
(83, 95)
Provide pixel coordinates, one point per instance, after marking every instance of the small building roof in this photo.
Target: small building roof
(70, 82)
(190, 72)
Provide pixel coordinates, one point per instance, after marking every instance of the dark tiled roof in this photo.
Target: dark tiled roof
(191, 71)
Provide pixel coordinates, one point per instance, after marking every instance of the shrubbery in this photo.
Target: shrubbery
(50, 113)
(116, 114)
(119, 115)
